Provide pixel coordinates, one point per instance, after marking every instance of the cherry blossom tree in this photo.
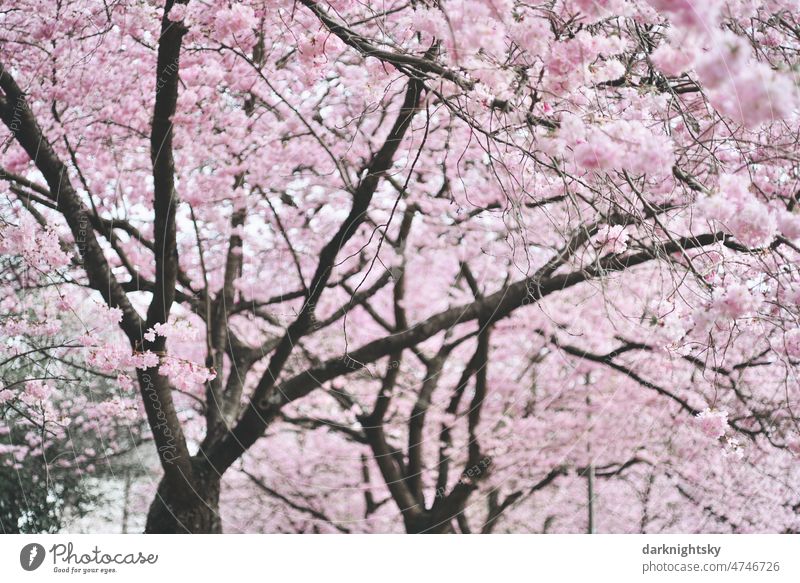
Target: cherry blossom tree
(427, 266)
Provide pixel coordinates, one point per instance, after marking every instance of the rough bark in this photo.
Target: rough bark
(174, 512)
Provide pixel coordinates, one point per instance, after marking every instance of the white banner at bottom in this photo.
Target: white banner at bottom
(400, 558)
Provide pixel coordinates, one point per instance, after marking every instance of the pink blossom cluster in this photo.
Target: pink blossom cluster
(696, 14)
(612, 239)
(748, 91)
(621, 144)
(185, 375)
(567, 65)
(40, 248)
(712, 423)
(734, 301)
(736, 209)
(791, 343)
(180, 331)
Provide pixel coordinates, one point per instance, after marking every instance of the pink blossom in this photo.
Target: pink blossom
(753, 224)
(177, 12)
(739, 212)
(599, 154)
(756, 95)
(612, 239)
(789, 224)
(235, 26)
(108, 358)
(37, 390)
(733, 449)
(143, 360)
(671, 61)
(791, 343)
(735, 301)
(696, 14)
(125, 382)
(712, 423)
(41, 249)
(716, 208)
(727, 55)
(186, 375)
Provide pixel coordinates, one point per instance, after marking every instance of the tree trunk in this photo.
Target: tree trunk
(178, 511)
(426, 524)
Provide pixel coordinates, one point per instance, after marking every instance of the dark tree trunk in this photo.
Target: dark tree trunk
(426, 524)
(181, 510)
